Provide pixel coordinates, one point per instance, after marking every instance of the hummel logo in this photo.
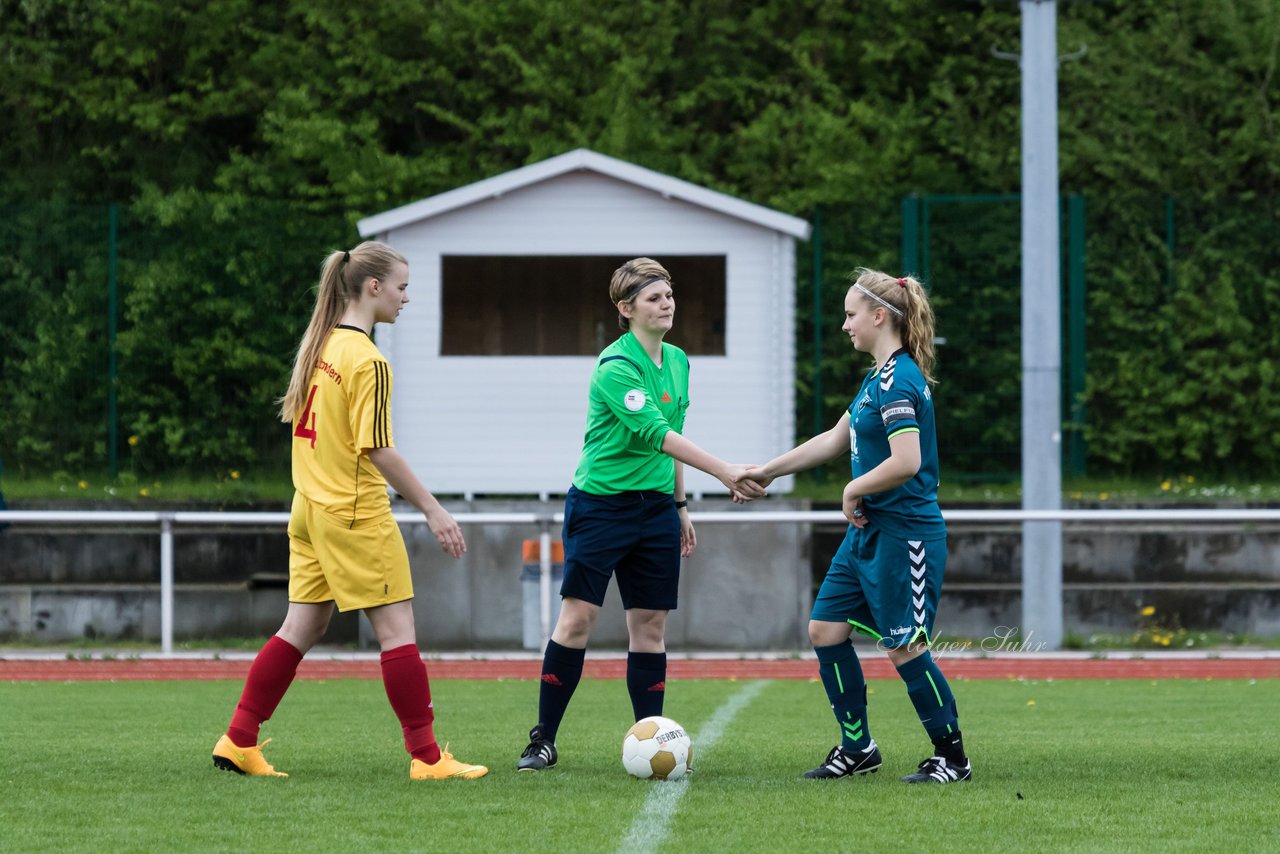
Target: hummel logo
(551, 679)
(886, 374)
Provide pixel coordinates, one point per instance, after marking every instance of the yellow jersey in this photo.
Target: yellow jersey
(347, 414)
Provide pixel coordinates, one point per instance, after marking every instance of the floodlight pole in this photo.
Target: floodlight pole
(1041, 328)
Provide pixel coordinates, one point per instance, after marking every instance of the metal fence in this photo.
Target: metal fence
(135, 324)
(1153, 287)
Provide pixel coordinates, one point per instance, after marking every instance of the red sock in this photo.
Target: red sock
(405, 678)
(270, 676)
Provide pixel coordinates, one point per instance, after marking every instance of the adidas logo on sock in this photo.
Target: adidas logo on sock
(551, 679)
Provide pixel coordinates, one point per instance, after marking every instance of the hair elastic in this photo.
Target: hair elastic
(346, 257)
(631, 294)
(892, 308)
(902, 283)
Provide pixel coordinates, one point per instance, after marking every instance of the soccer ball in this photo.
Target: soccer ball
(657, 749)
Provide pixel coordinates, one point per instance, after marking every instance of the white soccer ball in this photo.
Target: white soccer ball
(657, 748)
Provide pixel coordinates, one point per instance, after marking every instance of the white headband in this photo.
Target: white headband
(892, 308)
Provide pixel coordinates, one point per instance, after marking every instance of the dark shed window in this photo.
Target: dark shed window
(558, 305)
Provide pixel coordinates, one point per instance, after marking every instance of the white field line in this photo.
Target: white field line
(649, 830)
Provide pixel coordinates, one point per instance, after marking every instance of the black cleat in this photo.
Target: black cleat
(846, 763)
(540, 754)
(936, 769)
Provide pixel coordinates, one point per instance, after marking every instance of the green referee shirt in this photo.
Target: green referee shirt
(631, 406)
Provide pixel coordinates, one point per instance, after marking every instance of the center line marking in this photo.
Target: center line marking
(650, 828)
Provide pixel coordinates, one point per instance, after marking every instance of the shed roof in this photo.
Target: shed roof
(583, 159)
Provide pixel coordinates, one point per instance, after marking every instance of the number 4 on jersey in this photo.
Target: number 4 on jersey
(302, 429)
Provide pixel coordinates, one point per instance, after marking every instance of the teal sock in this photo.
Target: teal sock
(931, 695)
(841, 674)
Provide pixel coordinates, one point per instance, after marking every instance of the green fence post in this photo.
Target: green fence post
(923, 272)
(911, 235)
(113, 463)
(1076, 449)
(817, 321)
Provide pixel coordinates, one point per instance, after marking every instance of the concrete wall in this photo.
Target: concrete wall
(1213, 576)
(729, 597)
(748, 587)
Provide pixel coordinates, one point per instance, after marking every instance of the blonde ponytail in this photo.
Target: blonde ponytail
(910, 312)
(342, 276)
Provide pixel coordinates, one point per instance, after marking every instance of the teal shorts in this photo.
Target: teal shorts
(885, 586)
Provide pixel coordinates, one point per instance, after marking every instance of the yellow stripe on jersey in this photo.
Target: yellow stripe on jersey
(348, 413)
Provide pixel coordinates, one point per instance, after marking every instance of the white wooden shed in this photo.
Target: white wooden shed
(509, 283)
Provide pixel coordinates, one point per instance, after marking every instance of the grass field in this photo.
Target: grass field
(1059, 765)
(233, 488)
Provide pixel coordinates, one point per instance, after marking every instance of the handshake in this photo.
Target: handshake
(748, 482)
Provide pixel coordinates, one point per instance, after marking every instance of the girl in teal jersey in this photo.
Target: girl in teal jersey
(886, 577)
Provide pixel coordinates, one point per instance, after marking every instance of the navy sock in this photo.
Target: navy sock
(951, 747)
(647, 682)
(561, 672)
(931, 695)
(841, 674)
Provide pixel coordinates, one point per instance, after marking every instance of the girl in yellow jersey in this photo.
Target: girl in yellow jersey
(344, 545)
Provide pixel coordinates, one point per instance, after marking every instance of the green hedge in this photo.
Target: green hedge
(243, 139)
(212, 299)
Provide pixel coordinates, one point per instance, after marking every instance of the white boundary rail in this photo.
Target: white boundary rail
(166, 521)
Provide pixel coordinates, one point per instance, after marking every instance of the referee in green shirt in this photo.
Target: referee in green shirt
(626, 514)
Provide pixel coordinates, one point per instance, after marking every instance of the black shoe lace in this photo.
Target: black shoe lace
(541, 749)
(930, 763)
(934, 767)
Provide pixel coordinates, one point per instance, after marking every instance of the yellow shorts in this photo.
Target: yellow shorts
(357, 566)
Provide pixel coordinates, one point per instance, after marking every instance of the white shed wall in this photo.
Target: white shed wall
(512, 425)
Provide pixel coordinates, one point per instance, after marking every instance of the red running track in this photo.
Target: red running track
(615, 668)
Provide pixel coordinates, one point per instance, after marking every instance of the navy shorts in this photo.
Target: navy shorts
(886, 586)
(633, 535)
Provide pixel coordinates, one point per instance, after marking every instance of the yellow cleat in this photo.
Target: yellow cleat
(243, 760)
(446, 769)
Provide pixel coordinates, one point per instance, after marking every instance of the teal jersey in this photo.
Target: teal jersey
(893, 400)
(631, 406)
